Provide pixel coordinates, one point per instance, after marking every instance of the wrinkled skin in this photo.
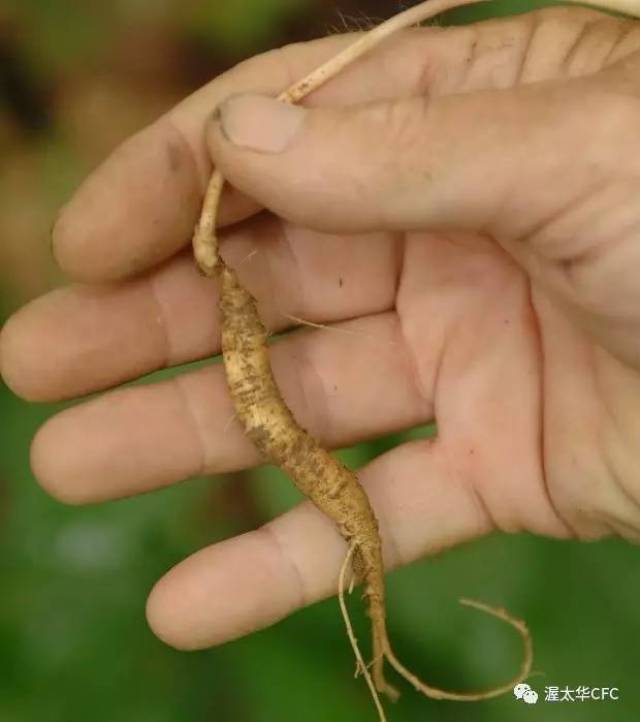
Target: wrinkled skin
(464, 203)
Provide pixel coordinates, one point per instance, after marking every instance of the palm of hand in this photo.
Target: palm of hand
(530, 409)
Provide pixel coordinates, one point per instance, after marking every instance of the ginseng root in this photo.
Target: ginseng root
(334, 489)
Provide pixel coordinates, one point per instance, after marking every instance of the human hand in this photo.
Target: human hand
(491, 176)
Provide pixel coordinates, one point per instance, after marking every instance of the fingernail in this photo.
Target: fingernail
(260, 123)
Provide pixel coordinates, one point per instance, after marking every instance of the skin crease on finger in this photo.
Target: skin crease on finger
(579, 62)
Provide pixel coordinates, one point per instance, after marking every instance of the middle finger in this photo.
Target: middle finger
(82, 339)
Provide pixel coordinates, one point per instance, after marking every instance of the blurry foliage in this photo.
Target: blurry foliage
(224, 24)
(77, 77)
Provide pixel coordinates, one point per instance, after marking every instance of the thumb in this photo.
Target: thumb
(500, 161)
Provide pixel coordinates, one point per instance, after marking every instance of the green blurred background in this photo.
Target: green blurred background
(75, 79)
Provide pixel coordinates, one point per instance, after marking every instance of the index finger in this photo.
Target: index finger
(141, 205)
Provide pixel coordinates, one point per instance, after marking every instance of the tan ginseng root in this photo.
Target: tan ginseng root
(333, 488)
